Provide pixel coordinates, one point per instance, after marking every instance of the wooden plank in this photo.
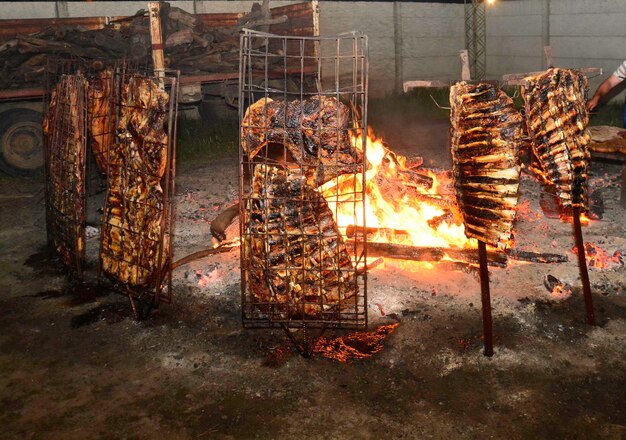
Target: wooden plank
(156, 37)
(547, 50)
(518, 79)
(465, 70)
(409, 85)
(11, 28)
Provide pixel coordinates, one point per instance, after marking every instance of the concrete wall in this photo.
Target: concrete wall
(422, 40)
(582, 33)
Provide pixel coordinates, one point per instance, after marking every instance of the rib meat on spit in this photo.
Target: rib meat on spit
(314, 132)
(134, 240)
(297, 261)
(485, 130)
(65, 128)
(102, 117)
(557, 122)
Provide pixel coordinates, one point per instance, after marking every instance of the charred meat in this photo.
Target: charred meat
(65, 129)
(102, 116)
(486, 132)
(557, 122)
(134, 241)
(297, 262)
(314, 132)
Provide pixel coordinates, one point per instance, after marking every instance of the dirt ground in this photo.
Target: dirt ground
(74, 364)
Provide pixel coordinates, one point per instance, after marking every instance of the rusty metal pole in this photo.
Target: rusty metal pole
(485, 299)
(582, 266)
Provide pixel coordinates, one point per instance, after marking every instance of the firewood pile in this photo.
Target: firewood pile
(190, 45)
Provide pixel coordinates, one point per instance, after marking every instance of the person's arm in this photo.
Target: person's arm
(602, 90)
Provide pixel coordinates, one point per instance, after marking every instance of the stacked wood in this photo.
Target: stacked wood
(297, 263)
(134, 242)
(65, 128)
(190, 45)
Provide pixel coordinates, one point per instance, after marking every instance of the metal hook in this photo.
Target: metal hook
(437, 104)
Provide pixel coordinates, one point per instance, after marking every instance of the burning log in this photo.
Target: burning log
(536, 257)
(353, 231)
(435, 222)
(403, 176)
(433, 254)
(459, 266)
(223, 220)
(203, 253)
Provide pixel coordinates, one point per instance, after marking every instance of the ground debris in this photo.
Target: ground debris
(354, 346)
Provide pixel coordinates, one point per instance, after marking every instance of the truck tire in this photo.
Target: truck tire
(21, 142)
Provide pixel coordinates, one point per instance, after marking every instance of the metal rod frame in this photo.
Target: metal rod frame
(157, 286)
(485, 298)
(582, 267)
(65, 150)
(476, 37)
(275, 67)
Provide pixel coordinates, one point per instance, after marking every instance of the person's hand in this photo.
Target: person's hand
(592, 103)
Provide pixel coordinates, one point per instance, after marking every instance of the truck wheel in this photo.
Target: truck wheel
(21, 142)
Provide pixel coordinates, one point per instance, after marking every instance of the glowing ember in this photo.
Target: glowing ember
(354, 345)
(397, 199)
(598, 258)
(557, 289)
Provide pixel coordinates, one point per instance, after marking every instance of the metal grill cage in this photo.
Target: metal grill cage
(138, 222)
(303, 119)
(65, 147)
(127, 118)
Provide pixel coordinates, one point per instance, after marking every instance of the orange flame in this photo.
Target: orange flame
(399, 210)
(599, 259)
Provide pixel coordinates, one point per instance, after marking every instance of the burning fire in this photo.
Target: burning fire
(400, 208)
(599, 259)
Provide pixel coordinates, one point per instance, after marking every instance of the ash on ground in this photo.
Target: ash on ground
(75, 364)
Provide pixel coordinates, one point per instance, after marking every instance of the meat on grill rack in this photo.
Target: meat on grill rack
(298, 262)
(315, 132)
(134, 242)
(102, 116)
(557, 122)
(65, 127)
(485, 130)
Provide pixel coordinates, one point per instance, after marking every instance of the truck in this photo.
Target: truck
(21, 106)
